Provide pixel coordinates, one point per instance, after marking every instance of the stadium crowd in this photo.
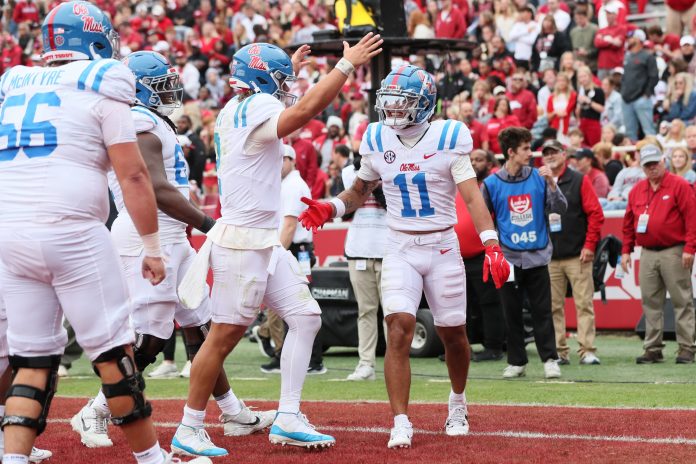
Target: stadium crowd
(575, 71)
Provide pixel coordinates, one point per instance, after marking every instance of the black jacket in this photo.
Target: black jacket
(569, 241)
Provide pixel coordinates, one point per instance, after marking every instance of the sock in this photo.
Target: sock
(297, 349)
(2, 435)
(193, 418)
(99, 403)
(150, 456)
(229, 403)
(457, 399)
(401, 420)
(15, 459)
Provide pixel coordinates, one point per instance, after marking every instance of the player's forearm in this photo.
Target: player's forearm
(286, 235)
(140, 202)
(314, 101)
(355, 197)
(172, 203)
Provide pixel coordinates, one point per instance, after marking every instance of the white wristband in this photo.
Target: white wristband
(339, 205)
(345, 66)
(151, 244)
(487, 235)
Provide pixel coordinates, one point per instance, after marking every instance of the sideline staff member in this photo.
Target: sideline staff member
(661, 218)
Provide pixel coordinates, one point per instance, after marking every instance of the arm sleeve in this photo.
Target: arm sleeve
(109, 78)
(462, 169)
(367, 172)
(595, 215)
(116, 122)
(629, 233)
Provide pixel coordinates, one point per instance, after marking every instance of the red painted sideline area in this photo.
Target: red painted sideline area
(509, 434)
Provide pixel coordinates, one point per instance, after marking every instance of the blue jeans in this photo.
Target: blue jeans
(638, 112)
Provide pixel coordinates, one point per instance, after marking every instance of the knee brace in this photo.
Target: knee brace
(43, 397)
(194, 338)
(131, 385)
(146, 349)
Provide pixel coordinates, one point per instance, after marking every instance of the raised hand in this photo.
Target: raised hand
(318, 213)
(298, 58)
(363, 51)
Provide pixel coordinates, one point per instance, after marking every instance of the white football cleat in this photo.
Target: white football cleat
(401, 436)
(38, 455)
(457, 422)
(170, 459)
(191, 441)
(92, 427)
(247, 421)
(295, 430)
(590, 359)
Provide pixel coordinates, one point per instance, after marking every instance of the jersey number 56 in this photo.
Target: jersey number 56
(22, 138)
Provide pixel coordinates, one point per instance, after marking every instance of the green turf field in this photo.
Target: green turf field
(617, 382)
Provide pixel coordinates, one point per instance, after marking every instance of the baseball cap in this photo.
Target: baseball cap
(289, 151)
(499, 90)
(686, 40)
(650, 154)
(334, 121)
(529, 7)
(611, 8)
(552, 145)
(157, 10)
(356, 96)
(637, 34)
(583, 153)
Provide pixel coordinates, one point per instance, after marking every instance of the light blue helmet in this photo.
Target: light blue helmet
(157, 84)
(407, 97)
(263, 68)
(78, 31)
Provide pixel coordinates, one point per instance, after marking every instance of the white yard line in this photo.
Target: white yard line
(501, 434)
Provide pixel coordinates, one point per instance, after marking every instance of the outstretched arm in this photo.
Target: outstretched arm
(319, 212)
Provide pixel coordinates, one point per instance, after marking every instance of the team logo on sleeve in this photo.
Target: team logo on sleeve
(389, 156)
(520, 209)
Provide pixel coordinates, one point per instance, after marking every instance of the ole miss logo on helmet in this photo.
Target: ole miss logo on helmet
(89, 24)
(520, 209)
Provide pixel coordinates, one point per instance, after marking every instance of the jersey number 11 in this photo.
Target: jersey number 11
(419, 181)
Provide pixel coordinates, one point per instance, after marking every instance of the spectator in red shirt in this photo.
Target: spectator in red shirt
(502, 119)
(522, 101)
(561, 104)
(334, 136)
(130, 38)
(661, 218)
(25, 11)
(450, 22)
(306, 157)
(610, 44)
(590, 166)
(666, 45)
(479, 133)
(11, 53)
(160, 21)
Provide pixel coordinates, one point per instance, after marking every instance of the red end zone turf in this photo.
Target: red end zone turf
(500, 434)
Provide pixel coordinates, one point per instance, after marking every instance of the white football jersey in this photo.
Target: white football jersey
(418, 183)
(249, 183)
(123, 230)
(53, 158)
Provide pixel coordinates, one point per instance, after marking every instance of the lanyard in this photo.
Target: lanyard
(651, 197)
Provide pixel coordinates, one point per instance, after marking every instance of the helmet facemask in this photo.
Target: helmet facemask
(166, 93)
(283, 81)
(398, 108)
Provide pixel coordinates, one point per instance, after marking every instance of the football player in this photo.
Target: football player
(249, 264)
(422, 165)
(63, 127)
(158, 93)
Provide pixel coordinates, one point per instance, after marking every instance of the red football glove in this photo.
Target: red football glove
(496, 265)
(318, 213)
